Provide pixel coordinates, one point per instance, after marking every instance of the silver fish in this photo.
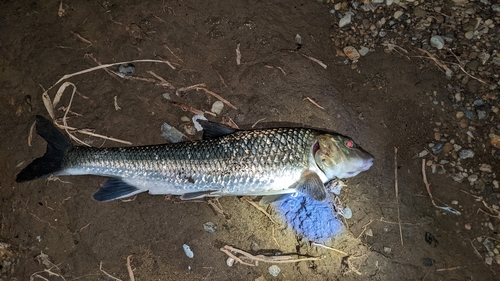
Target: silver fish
(269, 162)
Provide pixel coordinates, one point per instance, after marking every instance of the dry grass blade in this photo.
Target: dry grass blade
(255, 124)
(107, 274)
(102, 66)
(438, 62)
(129, 269)
(203, 87)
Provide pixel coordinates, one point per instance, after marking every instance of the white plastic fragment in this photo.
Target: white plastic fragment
(187, 251)
(197, 125)
(274, 270)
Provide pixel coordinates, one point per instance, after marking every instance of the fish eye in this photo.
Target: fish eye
(349, 143)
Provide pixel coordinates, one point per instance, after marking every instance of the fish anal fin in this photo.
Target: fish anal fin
(197, 194)
(212, 130)
(268, 199)
(311, 185)
(115, 188)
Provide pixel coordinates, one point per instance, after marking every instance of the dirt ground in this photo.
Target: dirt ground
(386, 102)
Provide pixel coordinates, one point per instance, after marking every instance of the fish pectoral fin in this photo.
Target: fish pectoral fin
(212, 130)
(268, 199)
(115, 188)
(311, 185)
(198, 194)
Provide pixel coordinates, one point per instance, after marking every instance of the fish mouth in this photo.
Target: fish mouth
(367, 164)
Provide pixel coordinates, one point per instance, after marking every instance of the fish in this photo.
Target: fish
(270, 162)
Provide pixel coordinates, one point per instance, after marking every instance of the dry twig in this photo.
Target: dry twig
(428, 187)
(260, 258)
(260, 209)
(397, 192)
(329, 248)
(107, 274)
(313, 102)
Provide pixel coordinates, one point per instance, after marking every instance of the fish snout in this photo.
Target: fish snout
(367, 164)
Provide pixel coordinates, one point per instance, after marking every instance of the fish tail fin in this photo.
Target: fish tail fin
(52, 161)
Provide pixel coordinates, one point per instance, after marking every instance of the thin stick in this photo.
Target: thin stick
(164, 82)
(428, 188)
(267, 259)
(314, 60)
(166, 47)
(107, 274)
(202, 86)
(238, 54)
(364, 228)
(219, 97)
(186, 107)
(227, 252)
(260, 209)
(448, 269)
(313, 102)
(329, 248)
(397, 193)
(254, 124)
(129, 269)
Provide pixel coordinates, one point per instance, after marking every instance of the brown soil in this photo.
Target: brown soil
(385, 103)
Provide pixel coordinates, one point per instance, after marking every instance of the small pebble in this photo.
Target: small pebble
(387, 250)
(466, 153)
(459, 114)
(187, 251)
(351, 53)
(369, 232)
(126, 69)
(210, 227)
(437, 42)
(454, 202)
(274, 270)
(230, 262)
(363, 50)
(347, 213)
(428, 262)
(345, 20)
(171, 134)
(217, 107)
(467, 226)
(485, 168)
(490, 225)
(488, 260)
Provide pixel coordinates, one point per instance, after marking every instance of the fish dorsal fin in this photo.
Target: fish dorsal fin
(212, 130)
(311, 185)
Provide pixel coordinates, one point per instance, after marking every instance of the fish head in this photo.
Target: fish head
(339, 156)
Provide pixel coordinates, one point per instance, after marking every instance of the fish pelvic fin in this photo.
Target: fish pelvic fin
(311, 185)
(115, 188)
(52, 161)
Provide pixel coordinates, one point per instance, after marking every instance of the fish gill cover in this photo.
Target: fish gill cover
(315, 220)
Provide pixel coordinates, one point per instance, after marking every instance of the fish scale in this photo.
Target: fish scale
(262, 158)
